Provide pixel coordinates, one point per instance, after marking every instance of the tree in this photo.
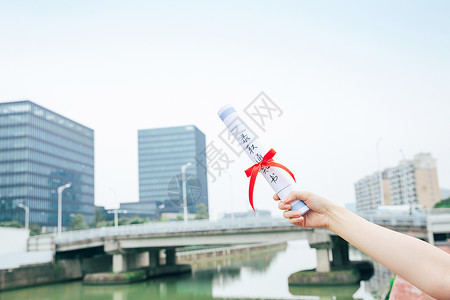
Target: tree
(444, 203)
(201, 211)
(100, 216)
(78, 223)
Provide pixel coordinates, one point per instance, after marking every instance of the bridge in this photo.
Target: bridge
(132, 246)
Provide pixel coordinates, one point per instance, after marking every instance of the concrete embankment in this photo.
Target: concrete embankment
(63, 270)
(94, 270)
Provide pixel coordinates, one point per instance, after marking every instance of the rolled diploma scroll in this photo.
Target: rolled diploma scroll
(280, 181)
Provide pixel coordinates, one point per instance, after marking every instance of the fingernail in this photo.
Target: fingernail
(288, 206)
(300, 219)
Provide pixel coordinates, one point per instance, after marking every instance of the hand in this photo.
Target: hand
(318, 216)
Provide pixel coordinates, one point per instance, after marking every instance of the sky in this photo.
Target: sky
(344, 73)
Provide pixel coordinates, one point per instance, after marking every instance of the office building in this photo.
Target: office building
(162, 153)
(40, 151)
(411, 182)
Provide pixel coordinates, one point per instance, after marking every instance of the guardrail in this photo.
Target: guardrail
(164, 227)
(416, 220)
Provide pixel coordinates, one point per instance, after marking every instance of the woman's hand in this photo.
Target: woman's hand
(318, 216)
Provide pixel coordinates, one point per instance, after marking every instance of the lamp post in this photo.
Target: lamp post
(183, 181)
(27, 214)
(60, 190)
(116, 215)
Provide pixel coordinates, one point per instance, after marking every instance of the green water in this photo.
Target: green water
(262, 276)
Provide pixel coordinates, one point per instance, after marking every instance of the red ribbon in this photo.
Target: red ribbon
(252, 172)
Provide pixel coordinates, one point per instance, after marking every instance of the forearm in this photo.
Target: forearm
(416, 261)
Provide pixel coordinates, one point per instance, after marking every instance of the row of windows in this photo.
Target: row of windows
(6, 120)
(46, 182)
(86, 136)
(163, 154)
(165, 137)
(61, 121)
(14, 167)
(67, 141)
(47, 159)
(162, 177)
(162, 151)
(174, 161)
(14, 179)
(20, 154)
(13, 131)
(157, 146)
(23, 142)
(52, 172)
(167, 164)
(63, 163)
(24, 154)
(37, 192)
(10, 144)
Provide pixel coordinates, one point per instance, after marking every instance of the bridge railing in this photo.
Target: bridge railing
(416, 220)
(166, 227)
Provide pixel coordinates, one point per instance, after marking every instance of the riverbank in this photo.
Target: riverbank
(74, 269)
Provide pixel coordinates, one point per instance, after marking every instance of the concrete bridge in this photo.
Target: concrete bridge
(134, 246)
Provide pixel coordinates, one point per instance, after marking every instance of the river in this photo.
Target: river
(262, 276)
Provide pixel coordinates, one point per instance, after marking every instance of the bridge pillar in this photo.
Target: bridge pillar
(154, 258)
(322, 243)
(339, 251)
(171, 258)
(119, 263)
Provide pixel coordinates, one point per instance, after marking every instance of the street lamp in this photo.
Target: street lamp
(116, 215)
(60, 190)
(27, 214)
(183, 181)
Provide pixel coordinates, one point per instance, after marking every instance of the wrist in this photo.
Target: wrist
(335, 216)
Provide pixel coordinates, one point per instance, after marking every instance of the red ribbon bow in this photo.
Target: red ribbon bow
(252, 172)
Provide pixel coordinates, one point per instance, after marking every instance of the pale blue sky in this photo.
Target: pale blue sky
(345, 73)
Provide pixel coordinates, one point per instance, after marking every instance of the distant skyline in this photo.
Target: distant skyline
(344, 73)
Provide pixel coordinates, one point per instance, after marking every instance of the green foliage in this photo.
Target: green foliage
(179, 218)
(444, 203)
(78, 223)
(99, 216)
(35, 229)
(104, 224)
(124, 221)
(201, 211)
(14, 224)
(137, 220)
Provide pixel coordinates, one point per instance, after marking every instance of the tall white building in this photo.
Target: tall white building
(410, 182)
(369, 193)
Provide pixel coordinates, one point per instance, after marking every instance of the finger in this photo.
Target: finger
(297, 195)
(297, 221)
(275, 197)
(284, 206)
(292, 214)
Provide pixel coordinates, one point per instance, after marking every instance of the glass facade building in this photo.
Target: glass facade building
(162, 152)
(40, 151)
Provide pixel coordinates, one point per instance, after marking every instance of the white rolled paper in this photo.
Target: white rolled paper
(280, 181)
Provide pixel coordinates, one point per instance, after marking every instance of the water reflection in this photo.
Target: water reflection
(263, 276)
